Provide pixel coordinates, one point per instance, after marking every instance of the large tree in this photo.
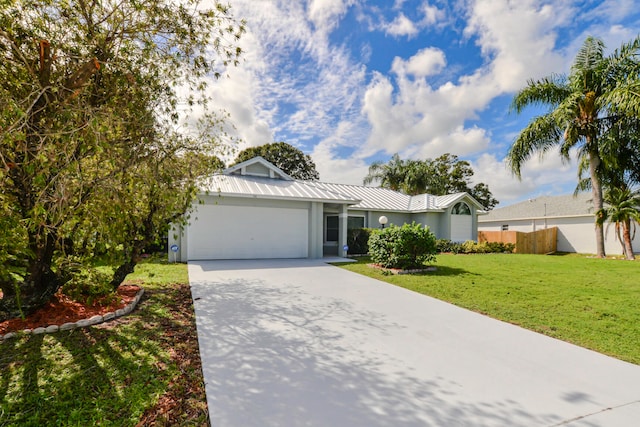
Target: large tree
(88, 100)
(446, 174)
(285, 156)
(597, 94)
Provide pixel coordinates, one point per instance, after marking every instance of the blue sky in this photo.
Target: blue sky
(350, 82)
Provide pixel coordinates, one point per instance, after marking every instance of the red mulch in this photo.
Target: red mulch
(62, 309)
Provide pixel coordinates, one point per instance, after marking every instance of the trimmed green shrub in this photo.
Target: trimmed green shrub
(471, 247)
(409, 246)
(358, 241)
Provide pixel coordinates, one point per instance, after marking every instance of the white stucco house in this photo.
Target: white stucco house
(572, 215)
(254, 210)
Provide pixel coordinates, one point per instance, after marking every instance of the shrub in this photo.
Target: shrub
(358, 241)
(409, 246)
(85, 283)
(471, 247)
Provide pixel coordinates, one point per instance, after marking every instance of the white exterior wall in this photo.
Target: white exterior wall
(575, 234)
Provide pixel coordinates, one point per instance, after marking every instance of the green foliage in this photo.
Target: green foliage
(471, 247)
(291, 160)
(592, 111)
(87, 284)
(91, 157)
(408, 246)
(444, 175)
(358, 240)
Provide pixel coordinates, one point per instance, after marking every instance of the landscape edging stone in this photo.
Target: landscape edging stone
(82, 323)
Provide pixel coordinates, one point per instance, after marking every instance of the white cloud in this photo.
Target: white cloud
(547, 175)
(426, 62)
(432, 15)
(325, 14)
(425, 118)
(401, 26)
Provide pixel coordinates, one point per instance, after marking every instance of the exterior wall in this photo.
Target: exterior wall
(575, 234)
(431, 220)
(393, 217)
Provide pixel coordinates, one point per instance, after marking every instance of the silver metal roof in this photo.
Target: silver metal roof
(370, 197)
(269, 188)
(544, 206)
(240, 181)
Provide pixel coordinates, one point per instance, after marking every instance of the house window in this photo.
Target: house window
(355, 222)
(461, 209)
(505, 227)
(333, 226)
(331, 229)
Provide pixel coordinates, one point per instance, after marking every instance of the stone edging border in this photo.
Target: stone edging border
(398, 271)
(94, 320)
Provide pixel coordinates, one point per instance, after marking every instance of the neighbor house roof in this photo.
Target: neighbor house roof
(544, 207)
(259, 178)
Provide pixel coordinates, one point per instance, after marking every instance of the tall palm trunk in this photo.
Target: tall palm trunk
(626, 237)
(596, 191)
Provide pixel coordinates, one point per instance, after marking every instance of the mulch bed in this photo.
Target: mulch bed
(401, 271)
(62, 309)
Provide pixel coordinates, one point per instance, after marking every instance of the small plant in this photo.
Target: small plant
(409, 246)
(86, 284)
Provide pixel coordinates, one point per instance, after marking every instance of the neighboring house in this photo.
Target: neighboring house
(255, 210)
(573, 215)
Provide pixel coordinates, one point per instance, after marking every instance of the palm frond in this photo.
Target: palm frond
(540, 135)
(549, 91)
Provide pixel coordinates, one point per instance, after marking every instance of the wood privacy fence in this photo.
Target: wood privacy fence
(537, 242)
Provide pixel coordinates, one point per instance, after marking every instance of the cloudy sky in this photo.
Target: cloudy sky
(355, 81)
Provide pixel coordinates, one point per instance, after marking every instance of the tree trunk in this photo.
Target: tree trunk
(626, 236)
(122, 272)
(37, 289)
(596, 191)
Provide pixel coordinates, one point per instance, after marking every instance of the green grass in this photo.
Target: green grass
(590, 302)
(112, 374)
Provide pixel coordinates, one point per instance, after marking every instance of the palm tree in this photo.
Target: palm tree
(391, 175)
(598, 93)
(622, 209)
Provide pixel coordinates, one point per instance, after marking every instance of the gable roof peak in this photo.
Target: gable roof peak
(258, 166)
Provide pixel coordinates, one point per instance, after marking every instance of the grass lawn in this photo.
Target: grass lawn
(590, 302)
(142, 369)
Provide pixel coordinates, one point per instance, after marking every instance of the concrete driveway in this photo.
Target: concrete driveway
(302, 343)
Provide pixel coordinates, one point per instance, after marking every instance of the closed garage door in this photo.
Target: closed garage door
(235, 232)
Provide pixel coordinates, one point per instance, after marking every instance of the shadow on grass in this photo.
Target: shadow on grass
(446, 271)
(108, 374)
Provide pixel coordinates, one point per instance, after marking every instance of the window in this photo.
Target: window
(461, 209)
(333, 226)
(355, 222)
(505, 227)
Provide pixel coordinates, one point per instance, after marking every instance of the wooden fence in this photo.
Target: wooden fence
(537, 242)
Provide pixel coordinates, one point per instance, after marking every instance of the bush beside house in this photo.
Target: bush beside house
(406, 247)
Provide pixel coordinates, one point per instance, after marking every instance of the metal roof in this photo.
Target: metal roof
(238, 181)
(370, 197)
(269, 188)
(544, 206)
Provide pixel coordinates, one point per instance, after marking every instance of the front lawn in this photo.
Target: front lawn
(590, 302)
(142, 369)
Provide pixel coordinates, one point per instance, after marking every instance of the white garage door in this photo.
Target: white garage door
(235, 232)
